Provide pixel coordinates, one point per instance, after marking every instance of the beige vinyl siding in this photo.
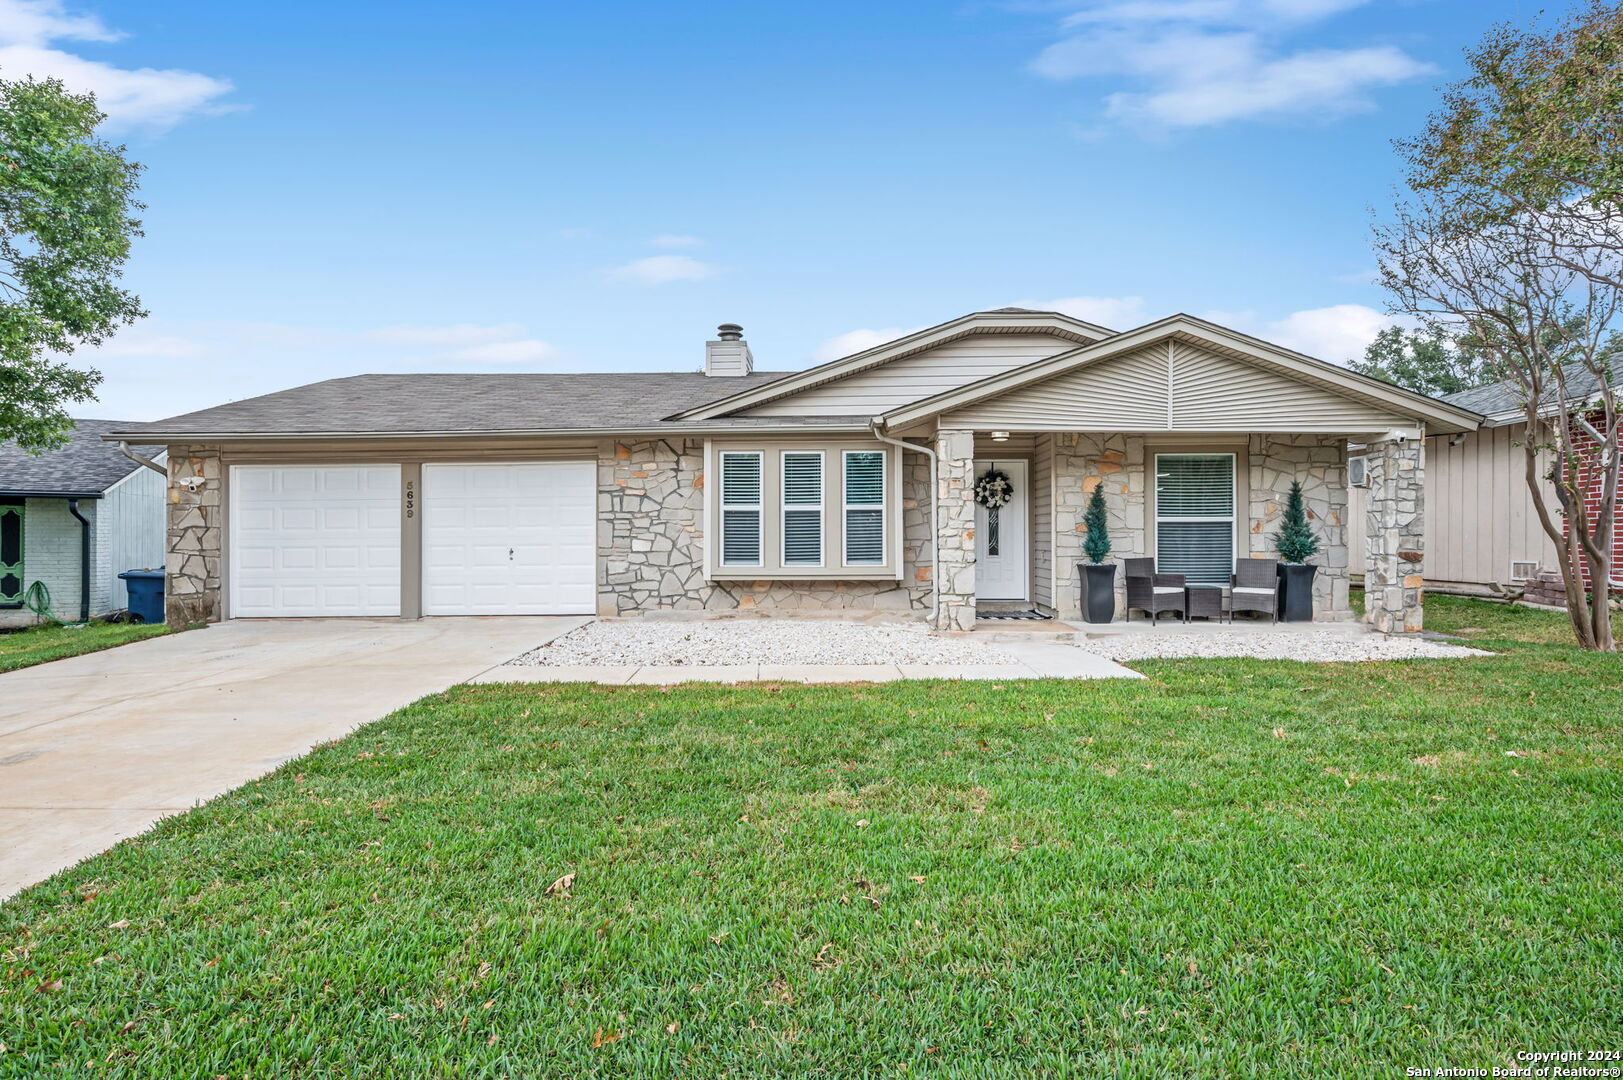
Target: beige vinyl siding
(1042, 522)
(1175, 386)
(922, 375)
(134, 530)
(1479, 515)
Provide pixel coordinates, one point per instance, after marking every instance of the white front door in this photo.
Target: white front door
(518, 539)
(1002, 548)
(314, 540)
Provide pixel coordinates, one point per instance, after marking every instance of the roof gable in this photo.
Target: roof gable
(1184, 373)
(1011, 321)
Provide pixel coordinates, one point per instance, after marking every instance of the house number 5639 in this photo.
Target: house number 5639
(411, 498)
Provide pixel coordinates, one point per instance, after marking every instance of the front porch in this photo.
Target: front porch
(1196, 502)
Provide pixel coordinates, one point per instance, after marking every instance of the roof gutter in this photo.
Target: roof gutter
(935, 508)
(84, 559)
(124, 448)
(513, 433)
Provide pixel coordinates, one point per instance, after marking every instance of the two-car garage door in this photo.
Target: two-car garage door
(496, 539)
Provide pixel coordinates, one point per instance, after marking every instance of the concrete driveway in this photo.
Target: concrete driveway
(97, 748)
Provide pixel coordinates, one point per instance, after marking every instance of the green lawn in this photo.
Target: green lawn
(1233, 868)
(26, 648)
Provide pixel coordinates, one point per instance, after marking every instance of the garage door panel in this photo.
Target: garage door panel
(516, 539)
(315, 540)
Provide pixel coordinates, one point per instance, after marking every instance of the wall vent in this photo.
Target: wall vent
(1357, 471)
(1521, 571)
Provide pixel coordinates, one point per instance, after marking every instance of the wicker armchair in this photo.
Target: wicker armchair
(1150, 592)
(1256, 587)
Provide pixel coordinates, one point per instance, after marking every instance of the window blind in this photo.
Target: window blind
(1194, 516)
(864, 508)
(803, 508)
(741, 507)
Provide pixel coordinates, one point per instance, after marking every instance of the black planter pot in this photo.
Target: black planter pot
(1098, 592)
(1296, 592)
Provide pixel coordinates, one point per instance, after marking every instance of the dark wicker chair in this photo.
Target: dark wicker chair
(1256, 587)
(1150, 592)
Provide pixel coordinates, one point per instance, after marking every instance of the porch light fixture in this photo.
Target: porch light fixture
(1000, 436)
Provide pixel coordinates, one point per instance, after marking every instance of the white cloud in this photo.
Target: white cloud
(660, 269)
(1200, 63)
(1113, 312)
(527, 351)
(1339, 333)
(131, 97)
(675, 240)
(855, 341)
(457, 334)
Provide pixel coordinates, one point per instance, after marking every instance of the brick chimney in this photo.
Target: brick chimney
(730, 355)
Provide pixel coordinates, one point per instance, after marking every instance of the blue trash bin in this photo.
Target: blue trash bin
(146, 594)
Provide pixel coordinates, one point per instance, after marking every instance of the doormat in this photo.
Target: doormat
(1012, 615)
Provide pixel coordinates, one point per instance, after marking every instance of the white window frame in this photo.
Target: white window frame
(882, 506)
(1234, 501)
(759, 506)
(785, 507)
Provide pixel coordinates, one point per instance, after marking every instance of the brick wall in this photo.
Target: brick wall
(51, 554)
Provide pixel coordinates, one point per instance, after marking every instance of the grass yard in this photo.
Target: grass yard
(1233, 868)
(25, 648)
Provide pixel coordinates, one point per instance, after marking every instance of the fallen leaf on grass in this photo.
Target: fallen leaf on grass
(602, 1039)
(918, 879)
(671, 1028)
(1279, 733)
(48, 987)
(561, 887)
(119, 925)
(822, 959)
(862, 823)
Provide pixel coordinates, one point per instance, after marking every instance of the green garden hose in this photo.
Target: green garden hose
(38, 600)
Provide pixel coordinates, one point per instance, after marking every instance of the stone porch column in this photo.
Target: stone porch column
(955, 530)
(192, 588)
(1394, 586)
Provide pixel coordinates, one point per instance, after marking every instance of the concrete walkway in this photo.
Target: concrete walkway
(98, 747)
(1032, 659)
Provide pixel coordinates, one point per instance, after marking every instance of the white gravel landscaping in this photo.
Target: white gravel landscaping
(1311, 646)
(730, 642)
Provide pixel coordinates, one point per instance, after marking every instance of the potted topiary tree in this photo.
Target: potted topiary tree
(1098, 576)
(1296, 543)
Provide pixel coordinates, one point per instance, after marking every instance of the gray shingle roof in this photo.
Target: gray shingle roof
(86, 466)
(471, 404)
(1505, 396)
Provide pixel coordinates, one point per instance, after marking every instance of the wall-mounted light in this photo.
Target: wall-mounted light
(1000, 436)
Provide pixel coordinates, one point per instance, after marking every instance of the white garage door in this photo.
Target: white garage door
(315, 540)
(510, 539)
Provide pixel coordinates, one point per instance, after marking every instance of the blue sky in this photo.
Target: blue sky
(337, 188)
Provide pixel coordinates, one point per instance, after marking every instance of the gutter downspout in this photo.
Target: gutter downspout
(124, 448)
(935, 512)
(84, 560)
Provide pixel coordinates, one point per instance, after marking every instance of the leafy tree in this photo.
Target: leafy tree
(1096, 521)
(1295, 541)
(1429, 363)
(66, 205)
(1510, 241)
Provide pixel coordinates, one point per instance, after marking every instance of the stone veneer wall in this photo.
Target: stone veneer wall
(192, 591)
(955, 537)
(1119, 462)
(651, 542)
(1395, 532)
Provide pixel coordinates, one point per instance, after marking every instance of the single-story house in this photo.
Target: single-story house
(73, 519)
(1483, 533)
(849, 485)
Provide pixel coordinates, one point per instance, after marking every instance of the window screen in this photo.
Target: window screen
(1194, 516)
(864, 508)
(741, 508)
(11, 552)
(803, 508)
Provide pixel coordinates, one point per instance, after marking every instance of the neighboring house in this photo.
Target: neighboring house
(73, 519)
(1483, 533)
(731, 489)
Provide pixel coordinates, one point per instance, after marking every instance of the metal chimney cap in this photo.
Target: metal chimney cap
(730, 331)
